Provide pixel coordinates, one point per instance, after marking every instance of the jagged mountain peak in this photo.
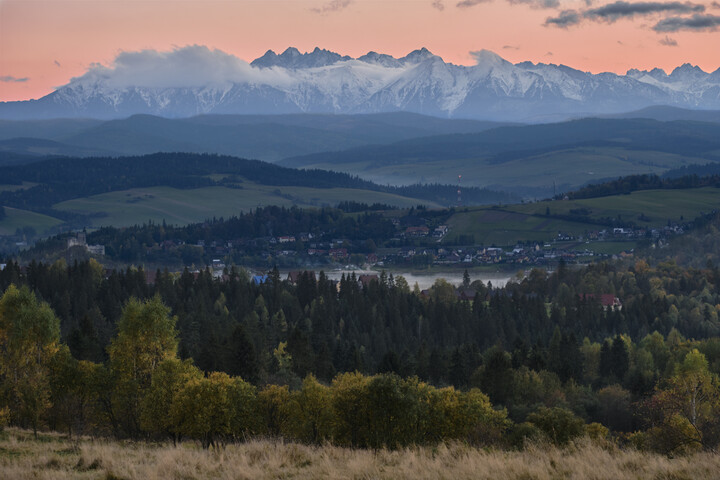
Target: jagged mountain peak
(656, 74)
(293, 59)
(380, 59)
(291, 52)
(268, 59)
(686, 70)
(417, 56)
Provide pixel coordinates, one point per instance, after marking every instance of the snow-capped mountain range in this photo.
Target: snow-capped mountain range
(195, 80)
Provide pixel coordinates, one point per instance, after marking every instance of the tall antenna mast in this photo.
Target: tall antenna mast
(459, 203)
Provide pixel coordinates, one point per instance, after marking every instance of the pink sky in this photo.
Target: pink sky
(44, 43)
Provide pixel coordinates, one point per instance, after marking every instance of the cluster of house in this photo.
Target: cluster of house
(520, 254)
(423, 231)
(607, 300)
(623, 233)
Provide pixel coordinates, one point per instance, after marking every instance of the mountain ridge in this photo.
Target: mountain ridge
(263, 137)
(326, 82)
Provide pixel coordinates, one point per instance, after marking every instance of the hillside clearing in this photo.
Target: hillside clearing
(17, 218)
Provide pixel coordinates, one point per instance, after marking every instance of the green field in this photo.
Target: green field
(573, 167)
(656, 206)
(528, 222)
(175, 206)
(488, 225)
(498, 227)
(16, 218)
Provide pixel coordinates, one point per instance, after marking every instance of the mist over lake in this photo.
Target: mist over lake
(426, 280)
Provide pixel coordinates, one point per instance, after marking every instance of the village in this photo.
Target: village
(414, 247)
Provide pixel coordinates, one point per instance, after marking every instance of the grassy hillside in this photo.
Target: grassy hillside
(181, 207)
(16, 218)
(538, 221)
(566, 154)
(656, 206)
(184, 188)
(564, 168)
(501, 227)
(54, 457)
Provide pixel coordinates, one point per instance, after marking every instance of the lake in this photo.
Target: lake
(426, 280)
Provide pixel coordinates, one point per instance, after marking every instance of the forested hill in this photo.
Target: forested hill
(183, 170)
(634, 183)
(502, 144)
(60, 179)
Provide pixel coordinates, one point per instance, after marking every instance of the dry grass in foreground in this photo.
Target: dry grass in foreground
(52, 456)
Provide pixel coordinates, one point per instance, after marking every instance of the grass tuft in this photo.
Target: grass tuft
(260, 459)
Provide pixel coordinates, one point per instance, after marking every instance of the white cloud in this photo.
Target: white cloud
(198, 66)
(191, 66)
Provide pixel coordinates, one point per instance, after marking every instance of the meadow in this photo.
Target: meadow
(657, 207)
(16, 218)
(530, 221)
(180, 207)
(565, 167)
(490, 226)
(53, 456)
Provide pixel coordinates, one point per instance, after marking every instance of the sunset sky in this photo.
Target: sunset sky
(44, 43)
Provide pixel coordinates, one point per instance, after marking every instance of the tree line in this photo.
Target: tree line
(540, 346)
(634, 183)
(144, 390)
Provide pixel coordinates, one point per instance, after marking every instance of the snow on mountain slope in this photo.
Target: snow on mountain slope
(195, 80)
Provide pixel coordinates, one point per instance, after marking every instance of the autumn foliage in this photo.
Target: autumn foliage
(145, 391)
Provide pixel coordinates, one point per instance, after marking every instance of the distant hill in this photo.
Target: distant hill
(263, 137)
(33, 147)
(49, 129)
(566, 155)
(666, 113)
(187, 187)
